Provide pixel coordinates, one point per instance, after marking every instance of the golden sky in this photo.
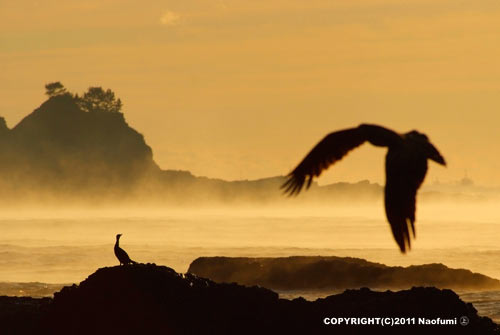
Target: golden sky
(242, 89)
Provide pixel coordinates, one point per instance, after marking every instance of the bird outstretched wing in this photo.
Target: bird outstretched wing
(331, 149)
(404, 175)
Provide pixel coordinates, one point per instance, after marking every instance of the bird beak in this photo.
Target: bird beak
(433, 154)
(438, 159)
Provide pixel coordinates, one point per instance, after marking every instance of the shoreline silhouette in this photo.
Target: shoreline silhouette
(157, 299)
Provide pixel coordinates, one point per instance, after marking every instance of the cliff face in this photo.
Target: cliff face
(59, 146)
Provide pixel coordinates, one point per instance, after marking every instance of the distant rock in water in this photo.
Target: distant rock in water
(31, 289)
(311, 273)
(60, 147)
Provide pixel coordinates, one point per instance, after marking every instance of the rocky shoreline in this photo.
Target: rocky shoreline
(147, 299)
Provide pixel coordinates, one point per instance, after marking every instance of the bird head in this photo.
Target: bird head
(418, 137)
(118, 236)
(427, 148)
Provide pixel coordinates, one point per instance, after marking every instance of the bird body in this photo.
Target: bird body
(405, 168)
(122, 254)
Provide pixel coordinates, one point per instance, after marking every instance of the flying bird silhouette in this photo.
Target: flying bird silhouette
(405, 169)
(122, 254)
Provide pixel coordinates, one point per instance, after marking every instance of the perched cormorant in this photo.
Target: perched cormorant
(122, 254)
(405, 169)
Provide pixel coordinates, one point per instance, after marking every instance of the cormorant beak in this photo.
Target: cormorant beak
(433, 154)
(438, 159)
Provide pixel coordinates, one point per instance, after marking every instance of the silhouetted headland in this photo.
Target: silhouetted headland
(60, 147)
(68, 149)
(150, 299)
(335, 273)
(83, 149)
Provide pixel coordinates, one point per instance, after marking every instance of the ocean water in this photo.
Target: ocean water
(56, 247)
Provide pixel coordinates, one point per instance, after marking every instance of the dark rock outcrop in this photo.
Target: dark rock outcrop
(156, 298)
(22, 315)
(150, 299)
(316, 272)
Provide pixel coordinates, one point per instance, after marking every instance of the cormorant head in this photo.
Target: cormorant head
(418, 137)
(428, 149)
(118, 236)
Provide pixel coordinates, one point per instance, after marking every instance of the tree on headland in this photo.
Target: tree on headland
(98, 100)
(54, 89)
